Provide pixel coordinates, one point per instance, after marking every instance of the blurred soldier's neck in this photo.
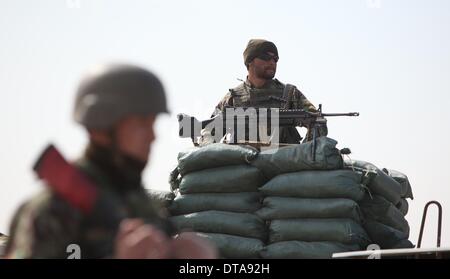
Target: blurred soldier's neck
(123, 171)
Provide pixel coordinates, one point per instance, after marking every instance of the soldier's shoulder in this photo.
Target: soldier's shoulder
(238, 88)
(46, 204)
(278, 83)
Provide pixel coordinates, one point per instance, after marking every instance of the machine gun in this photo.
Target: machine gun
(243, 122)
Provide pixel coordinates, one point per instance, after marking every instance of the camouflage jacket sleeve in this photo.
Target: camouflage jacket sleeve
(227, 100)
(43, 228)
(299, 101)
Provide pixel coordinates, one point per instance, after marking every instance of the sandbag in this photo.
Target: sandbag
(213, 156)
(305, 250)
(404, 243)
(233, 202)
(299, 157)
(379, 209)
(293, 208)
(385, 236)
(235, 247)
(381, 184)
(403, 206)
(240, 224)
(316, 184)
(161, 198)
(230, 179)
(404, 182)
(344, 231)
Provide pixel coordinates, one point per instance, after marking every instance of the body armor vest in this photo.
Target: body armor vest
(246, 96)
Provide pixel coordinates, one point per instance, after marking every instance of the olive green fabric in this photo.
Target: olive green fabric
(235, 247)
(213, 156)
(230, 179)
(300, 157)
(232, 202)
(256, 47)
(380, 184)
(385, 236)
(316, 184)
(290, 208)
(240, 224)
(381, 210)
(403, 206)
(305, 250)
(344, 231)
(404, 182)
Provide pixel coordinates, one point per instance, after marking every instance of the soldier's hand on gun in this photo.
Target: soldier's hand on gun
(137, 240)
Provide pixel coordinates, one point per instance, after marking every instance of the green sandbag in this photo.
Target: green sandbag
(235, 247)
(381, 210)
(404, 243)
(240, 224)
(404, 182)
(292, 208)
(385, 236)
(232, 179)
(234, 202)
(381, 184)
(403, 206)
(213, 156)
(305, 250)
(161, 198)
(299, 157)
(344, 231)
(316, 184)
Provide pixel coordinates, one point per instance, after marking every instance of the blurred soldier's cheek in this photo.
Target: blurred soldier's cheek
(135, 136)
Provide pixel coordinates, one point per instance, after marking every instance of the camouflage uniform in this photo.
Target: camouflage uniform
(44, 226)
(246, 95)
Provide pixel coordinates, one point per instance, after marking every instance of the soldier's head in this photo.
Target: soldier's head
(118, 105)
(260, 58)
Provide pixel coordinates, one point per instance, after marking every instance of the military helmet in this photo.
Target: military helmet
(110, 92)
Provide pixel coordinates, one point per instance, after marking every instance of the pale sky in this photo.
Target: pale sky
(389, 60)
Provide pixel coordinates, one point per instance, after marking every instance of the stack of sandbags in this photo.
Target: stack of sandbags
(384, 206)
(217, 197)
(311, 206)
(284, 203)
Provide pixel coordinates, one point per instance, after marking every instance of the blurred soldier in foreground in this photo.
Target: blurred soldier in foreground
(118, 105)
(262, 90)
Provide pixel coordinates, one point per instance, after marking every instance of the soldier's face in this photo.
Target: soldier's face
(264, 69)
(134, 135)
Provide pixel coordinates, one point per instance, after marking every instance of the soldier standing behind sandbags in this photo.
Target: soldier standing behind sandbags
(260, 59)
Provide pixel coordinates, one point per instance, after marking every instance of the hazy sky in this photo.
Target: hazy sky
(389, 60)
